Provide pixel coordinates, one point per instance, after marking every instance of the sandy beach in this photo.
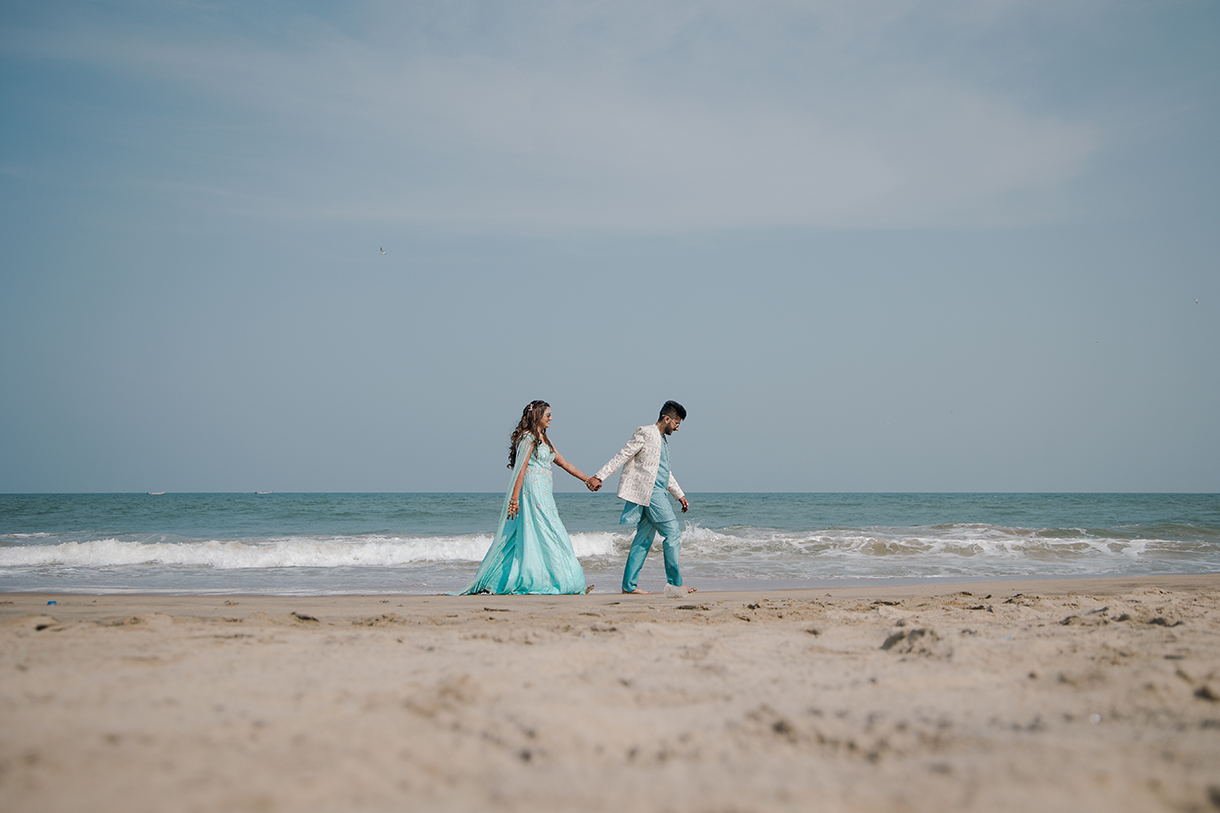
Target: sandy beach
(1041, 695)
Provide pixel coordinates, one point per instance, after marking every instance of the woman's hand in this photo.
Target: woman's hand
(513, 507)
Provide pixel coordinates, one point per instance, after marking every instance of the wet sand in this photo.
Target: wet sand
(1045, 695)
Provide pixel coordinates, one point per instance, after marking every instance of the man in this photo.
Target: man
(646, 478)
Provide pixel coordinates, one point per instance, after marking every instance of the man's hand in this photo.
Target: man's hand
(685, 504)
(593, 483)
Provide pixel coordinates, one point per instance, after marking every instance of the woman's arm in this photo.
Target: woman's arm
(514, 503)
(569, 468)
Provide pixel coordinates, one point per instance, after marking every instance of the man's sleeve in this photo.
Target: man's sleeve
(674, 488)
(626, 453)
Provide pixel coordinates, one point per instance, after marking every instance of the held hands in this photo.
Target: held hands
(593, 484)
(685, 504)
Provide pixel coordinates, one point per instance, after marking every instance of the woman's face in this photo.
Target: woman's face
(545, 420)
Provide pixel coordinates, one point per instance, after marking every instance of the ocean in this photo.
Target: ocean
(327, 544)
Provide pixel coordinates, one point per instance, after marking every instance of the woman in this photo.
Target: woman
(531, 552)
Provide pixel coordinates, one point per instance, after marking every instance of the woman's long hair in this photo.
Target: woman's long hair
(531, 418)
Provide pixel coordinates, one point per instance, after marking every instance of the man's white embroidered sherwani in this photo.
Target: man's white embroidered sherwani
(640, 459)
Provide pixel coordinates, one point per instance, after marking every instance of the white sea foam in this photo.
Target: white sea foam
(441, 563)
(588, 545)
(365, 551)
(876, 545)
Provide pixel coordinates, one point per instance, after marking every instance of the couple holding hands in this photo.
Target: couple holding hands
(532, 553)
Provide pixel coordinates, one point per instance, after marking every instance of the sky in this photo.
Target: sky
(882, 246)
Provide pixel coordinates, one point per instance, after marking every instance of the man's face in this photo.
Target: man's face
(670, 424)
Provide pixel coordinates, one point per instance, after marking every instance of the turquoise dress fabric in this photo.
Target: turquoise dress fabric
(532, 552)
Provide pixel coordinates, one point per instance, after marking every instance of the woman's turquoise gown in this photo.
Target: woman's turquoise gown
(531, 552)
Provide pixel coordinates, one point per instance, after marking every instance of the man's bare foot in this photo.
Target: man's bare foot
(589, 589)
(692, 589)
(638, 591)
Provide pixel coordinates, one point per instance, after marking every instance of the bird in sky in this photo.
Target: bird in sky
(382, 250)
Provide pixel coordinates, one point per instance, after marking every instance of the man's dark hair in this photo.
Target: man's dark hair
(674, 410)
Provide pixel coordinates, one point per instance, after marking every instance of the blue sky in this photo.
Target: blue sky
(887, 246)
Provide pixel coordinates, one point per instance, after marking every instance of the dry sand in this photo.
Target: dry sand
(1032, 696)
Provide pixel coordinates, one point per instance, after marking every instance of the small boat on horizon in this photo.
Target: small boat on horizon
(155, 493)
